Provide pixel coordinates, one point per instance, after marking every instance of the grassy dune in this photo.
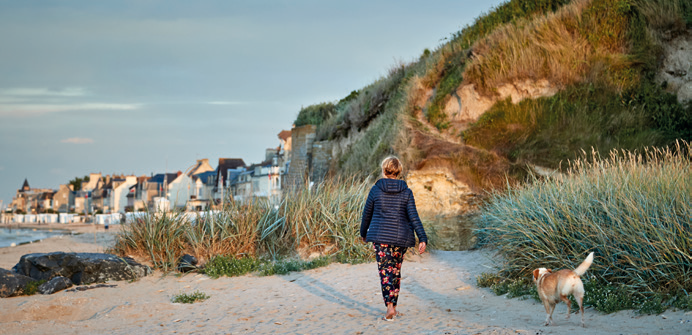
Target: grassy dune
(632, 209)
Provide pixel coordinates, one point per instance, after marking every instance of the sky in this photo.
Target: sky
(150, 86)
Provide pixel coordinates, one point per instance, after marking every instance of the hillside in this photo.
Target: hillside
(525, 88)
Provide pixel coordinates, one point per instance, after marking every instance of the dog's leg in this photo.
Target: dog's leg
(569, 304)
(549, 308)
(579, 296)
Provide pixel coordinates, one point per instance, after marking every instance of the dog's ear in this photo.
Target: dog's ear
(550, 270)
(535, 274)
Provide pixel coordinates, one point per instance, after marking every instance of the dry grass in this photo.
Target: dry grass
(324, 219)
(564, 47)
(585, 41)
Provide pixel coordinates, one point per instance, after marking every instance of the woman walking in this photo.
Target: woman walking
(389, 221)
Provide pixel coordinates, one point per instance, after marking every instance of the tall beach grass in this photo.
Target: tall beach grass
(631, 208)
(320, 221)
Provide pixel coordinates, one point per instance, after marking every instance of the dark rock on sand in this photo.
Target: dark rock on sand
(187, 263)
(12, 284)
(54, 285)
(80, 268)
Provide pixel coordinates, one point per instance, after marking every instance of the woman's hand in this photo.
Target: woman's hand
(421, 247)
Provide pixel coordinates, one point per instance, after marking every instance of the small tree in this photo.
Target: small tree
(77, 182)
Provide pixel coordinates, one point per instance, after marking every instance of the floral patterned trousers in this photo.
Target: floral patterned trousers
(389, 259)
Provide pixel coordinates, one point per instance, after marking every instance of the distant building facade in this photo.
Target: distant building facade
(32, 200)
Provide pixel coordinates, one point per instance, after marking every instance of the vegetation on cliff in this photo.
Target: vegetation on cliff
(601, 54)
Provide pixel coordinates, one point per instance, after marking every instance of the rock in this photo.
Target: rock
(685, 93)
(468, 105)
(54, 285)
(12, 284)
(438, 192)
(187, 263)
(80, 268)
(676, 67)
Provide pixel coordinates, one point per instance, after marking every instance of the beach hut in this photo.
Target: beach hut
(66, 218)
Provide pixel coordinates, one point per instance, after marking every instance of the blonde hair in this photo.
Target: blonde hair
(391, 167)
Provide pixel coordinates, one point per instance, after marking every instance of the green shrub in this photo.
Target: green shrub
(315, 114)
(230, 267)
(189, 298)
(31, 288)
(283, 267)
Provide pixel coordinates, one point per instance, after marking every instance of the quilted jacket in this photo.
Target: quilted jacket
(390, 215)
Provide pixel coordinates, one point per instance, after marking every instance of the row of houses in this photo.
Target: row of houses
(199, 187)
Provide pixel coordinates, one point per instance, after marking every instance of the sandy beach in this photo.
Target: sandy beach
(439, 296)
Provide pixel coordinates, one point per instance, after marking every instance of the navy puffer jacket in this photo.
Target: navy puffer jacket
(390, 215)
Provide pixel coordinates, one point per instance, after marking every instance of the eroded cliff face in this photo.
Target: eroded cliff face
(467, 105)
(676, 71)
(447, 205)
(438, 193)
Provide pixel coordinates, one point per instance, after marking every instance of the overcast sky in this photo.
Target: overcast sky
(150, 86)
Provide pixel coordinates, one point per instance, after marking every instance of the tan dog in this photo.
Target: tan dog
(553, 287)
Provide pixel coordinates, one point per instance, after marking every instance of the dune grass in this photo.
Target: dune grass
(564, 47)
(630, 208)
(611, 43)
(190, 298)
(445, 69)
(257, 235)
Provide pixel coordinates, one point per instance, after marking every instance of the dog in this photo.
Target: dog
(553, 287)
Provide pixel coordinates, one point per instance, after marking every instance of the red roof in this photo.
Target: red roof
(285, 135)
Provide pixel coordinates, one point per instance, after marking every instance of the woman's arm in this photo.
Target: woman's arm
(367, 215)
(414, 219)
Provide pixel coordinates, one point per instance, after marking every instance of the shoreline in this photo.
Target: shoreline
(79, 238)
(36, 239)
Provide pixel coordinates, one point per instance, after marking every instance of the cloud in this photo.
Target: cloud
(18, 109)
(28, 101)
(44, 92)
(77, 140)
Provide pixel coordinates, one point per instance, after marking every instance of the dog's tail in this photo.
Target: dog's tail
(581, 269)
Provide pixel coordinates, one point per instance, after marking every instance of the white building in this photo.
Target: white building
(259, 182)
(118, 197)
(179, 190)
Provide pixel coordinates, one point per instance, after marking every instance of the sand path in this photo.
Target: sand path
(439, 296)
